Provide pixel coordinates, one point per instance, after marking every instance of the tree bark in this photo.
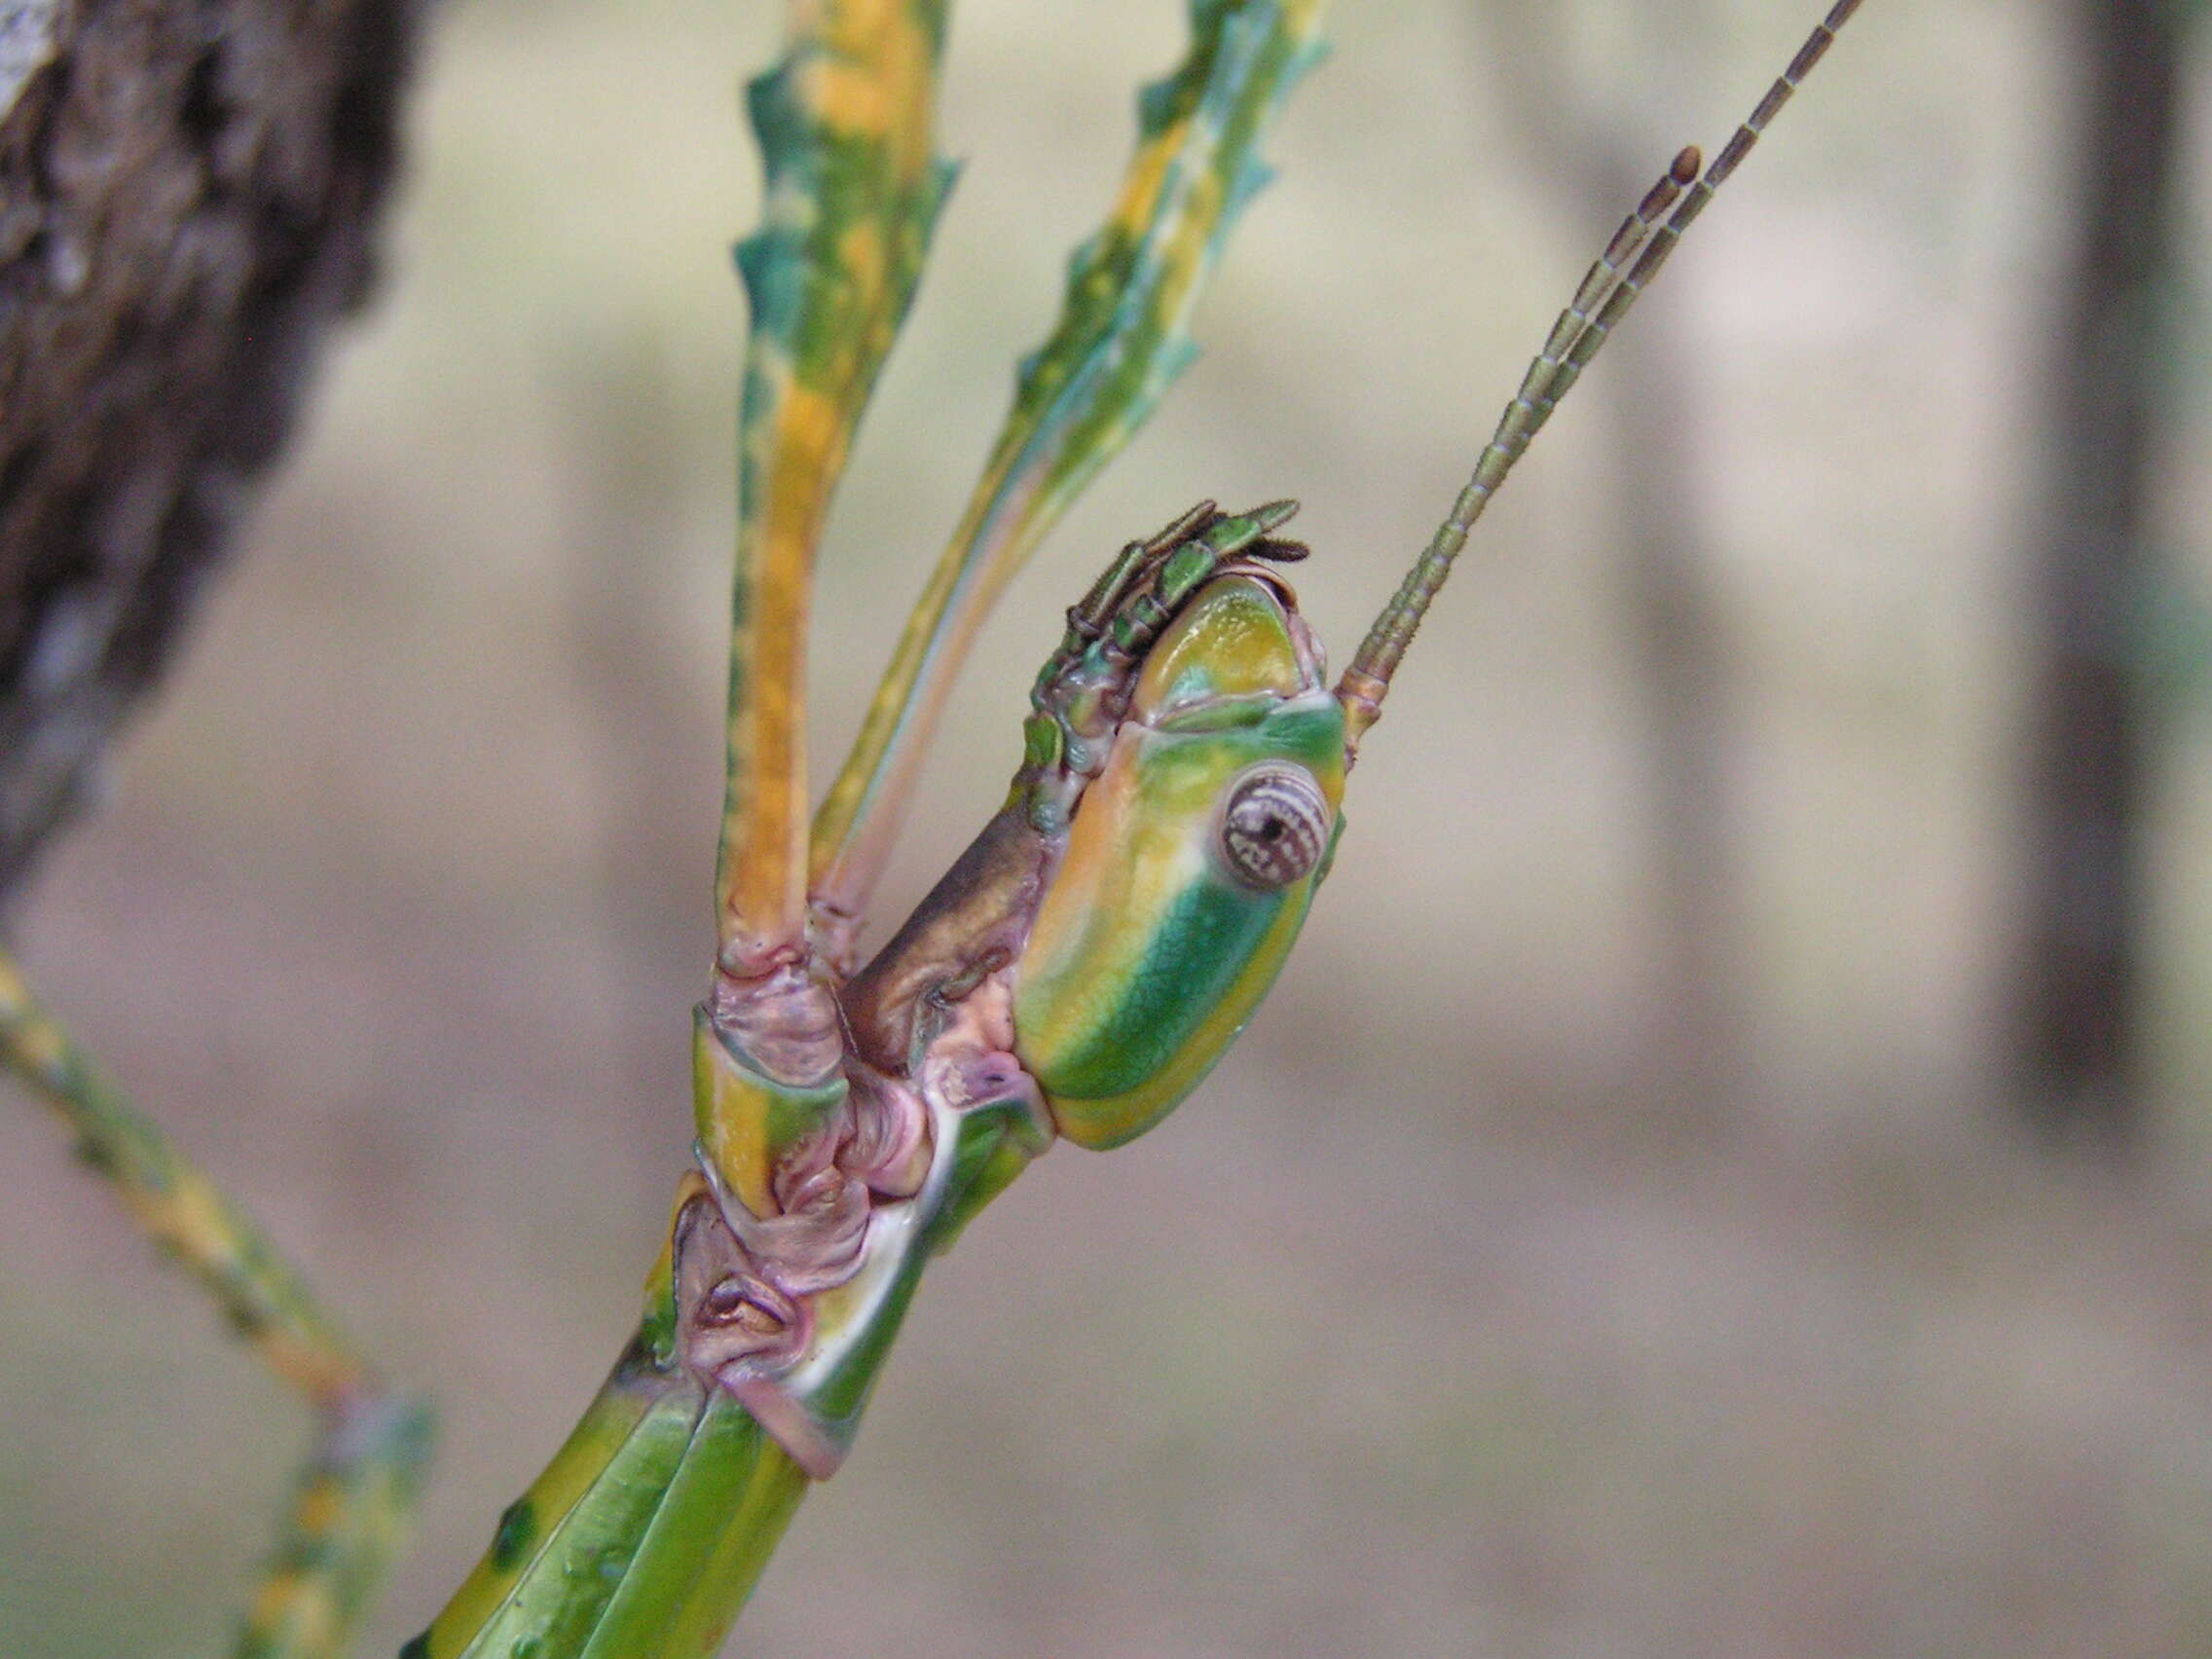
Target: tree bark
(189, 194)
(2079, 992)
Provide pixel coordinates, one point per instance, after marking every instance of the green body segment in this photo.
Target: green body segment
(1149, 954)
(647, 1532)
(643, 1536)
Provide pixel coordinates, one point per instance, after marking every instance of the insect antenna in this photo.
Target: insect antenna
(1634, 256)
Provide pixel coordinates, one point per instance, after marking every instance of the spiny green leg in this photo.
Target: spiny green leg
(355, 1497)
(1121, 339)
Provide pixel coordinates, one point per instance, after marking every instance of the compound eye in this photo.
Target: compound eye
(1274, 827)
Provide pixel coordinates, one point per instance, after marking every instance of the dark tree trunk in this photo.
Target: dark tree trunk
(189, 191)
(2080, 988)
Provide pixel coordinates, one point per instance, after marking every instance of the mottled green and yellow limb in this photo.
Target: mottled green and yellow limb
(355, 1499)
(1122, 338)
(853, 187)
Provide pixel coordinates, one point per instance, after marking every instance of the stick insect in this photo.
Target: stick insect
(1075, 975)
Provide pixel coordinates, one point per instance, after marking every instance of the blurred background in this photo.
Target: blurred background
(1711, 1182)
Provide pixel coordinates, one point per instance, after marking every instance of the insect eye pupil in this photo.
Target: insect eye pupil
(1274, 827)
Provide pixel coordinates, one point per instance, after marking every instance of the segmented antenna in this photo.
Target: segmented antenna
(1639, 248)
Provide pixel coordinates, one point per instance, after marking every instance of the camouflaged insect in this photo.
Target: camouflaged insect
(1075, 973)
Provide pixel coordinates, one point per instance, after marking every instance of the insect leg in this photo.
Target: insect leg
(354, 1499)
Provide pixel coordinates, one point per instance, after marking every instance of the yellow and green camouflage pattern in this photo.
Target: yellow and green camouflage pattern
(354, 1504)
(1147, 957)
(1121, 339)
(852, 192)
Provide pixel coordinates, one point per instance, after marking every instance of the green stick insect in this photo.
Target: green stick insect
(1075, 973)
